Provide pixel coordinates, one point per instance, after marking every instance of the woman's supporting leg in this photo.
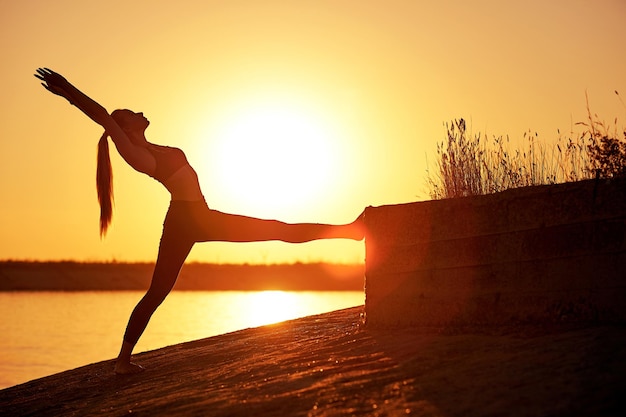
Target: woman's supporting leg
(172, 254)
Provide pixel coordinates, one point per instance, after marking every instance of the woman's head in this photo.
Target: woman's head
(132, 123)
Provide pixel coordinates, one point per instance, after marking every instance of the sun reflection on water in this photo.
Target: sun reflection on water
(268, 307)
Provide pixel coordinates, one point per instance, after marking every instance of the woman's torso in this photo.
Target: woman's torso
(174, 172)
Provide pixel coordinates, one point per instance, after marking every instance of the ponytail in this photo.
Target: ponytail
(104, 184)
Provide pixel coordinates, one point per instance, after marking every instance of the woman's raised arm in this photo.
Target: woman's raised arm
(139, 158)
(57, 84)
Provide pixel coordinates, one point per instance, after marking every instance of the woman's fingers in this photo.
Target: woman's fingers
(42, 74)
(52, 81)
(46, 74)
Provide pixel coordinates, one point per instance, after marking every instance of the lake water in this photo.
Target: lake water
(43, 333)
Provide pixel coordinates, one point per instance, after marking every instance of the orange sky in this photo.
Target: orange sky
(361, 88)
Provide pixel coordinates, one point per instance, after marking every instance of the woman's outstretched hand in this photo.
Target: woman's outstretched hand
(57, 84)
(54, 82)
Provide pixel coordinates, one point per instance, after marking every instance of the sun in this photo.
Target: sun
(274, 156)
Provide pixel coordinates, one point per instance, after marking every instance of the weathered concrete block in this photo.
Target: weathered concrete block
(534, 254)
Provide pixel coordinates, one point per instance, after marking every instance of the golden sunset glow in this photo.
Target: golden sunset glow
(274, 158)
(293, 110)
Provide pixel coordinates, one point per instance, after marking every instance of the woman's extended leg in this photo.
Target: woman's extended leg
(217, 226)
(172, 254)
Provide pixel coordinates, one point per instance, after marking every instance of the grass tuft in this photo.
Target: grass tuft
(475, 164)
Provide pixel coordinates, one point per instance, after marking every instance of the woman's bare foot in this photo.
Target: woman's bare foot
(358, 227)
(128, 368)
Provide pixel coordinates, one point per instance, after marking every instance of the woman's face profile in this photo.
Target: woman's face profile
(130, 121)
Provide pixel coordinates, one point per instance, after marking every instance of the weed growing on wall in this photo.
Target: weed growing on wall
(473, 164)
(606, 146)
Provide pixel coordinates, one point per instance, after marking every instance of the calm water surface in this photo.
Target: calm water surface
(43, 333)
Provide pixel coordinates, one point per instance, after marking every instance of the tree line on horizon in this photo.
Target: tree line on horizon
(81, 276)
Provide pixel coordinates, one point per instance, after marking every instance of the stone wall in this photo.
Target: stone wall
(537, 254)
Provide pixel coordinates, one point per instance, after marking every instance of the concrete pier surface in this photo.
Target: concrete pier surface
(333, 365)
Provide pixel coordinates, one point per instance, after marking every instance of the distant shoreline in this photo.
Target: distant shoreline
(194, 276)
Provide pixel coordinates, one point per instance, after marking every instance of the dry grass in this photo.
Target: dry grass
(474, 164)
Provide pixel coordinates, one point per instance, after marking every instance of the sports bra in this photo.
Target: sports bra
(168, 161)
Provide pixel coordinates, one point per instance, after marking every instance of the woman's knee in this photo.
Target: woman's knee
(157, 293)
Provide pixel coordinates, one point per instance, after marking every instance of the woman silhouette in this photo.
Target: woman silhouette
(188, 219)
